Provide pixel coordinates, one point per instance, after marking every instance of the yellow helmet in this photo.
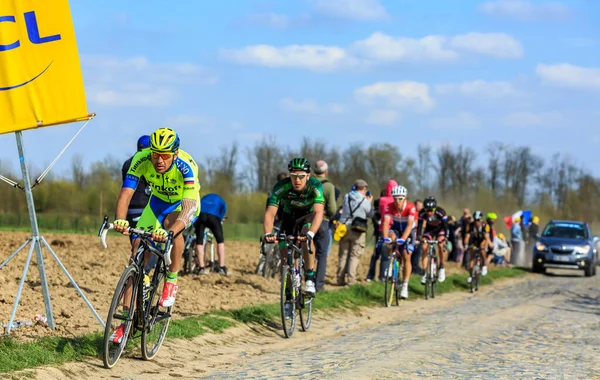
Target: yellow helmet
(536, 219)
(164, 140)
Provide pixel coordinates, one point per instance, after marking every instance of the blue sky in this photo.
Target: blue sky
(397, 71)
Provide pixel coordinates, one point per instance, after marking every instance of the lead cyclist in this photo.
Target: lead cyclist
(173, 206)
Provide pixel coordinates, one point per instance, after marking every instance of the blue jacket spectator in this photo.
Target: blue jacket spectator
(213, 204)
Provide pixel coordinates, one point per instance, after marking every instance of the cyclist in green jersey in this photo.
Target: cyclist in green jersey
(301, 199)
(174, 204)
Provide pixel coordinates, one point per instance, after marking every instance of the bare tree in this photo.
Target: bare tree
(266, 161)
(78, 171)
(445, 165)
(221, 170)
(423, 168)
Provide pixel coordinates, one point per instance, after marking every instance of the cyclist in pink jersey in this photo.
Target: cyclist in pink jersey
(398, 226)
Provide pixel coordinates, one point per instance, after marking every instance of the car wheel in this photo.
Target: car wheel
(589, 270)
(536, 268)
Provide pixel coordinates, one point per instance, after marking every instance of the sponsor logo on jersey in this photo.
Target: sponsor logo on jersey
(139, 162)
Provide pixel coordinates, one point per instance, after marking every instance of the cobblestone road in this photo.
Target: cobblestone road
(544, 328)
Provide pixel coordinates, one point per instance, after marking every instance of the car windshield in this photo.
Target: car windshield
(565, 230)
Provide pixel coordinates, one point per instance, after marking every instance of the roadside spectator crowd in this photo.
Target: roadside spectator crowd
(351, 211)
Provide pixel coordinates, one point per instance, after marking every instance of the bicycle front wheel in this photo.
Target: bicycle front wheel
(111, 351)
(288, 305)
(306, 312)
(390, 283)
(156, 317)
(434, 279)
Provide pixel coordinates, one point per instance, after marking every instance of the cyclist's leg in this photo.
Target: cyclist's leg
(288, 221)
(425, 253)
(214, 224)
(199, 225)
(407, 251)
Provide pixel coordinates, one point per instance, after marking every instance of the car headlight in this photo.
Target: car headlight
(540, 247)
(583, 249)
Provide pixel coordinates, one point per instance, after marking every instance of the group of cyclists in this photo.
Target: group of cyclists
(296, 201)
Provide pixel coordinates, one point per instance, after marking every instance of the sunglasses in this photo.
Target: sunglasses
(430, 210)
(298, 176)
(164, 156)
(399, 198)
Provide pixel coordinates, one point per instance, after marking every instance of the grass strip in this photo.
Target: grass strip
(16, 355)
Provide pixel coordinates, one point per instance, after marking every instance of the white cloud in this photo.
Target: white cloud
(412, 95)
(378, 48)
(310, 106)
(525, 10)
(352, 9)
(570, 76)
(534, 119)
(462, 120)
(138, 82)
(311, 57)
(478, 88)
(383, 48)
(497, 45)
(382, 117)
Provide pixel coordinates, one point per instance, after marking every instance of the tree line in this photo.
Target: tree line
(504, 179)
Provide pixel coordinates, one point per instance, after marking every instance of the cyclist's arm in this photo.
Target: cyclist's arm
(386, 226)
(186, 216)
(318, 208)
(446, 227)
(409, 227)
(421, 228)
(269, 219)
(123, 202)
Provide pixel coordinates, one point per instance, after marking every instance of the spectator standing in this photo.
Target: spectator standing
(452, 227)
(323, 236)
(516, 238)
(415, 258)
(356, 209)
(376, 219)
(212, 213)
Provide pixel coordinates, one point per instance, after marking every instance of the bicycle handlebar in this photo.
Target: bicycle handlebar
(106, 226)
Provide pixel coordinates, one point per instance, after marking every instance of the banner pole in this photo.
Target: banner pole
(35, 231)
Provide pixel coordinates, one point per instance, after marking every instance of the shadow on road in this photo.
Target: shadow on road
(581, 303)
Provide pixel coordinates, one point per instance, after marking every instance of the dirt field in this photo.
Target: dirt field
(97, 271)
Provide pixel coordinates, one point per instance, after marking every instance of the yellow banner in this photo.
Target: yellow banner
(40, 74)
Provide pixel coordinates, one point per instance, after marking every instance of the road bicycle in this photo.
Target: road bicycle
(190, 261)
(291, 294)
(392, 279)
(431, 275)
(269, 261)
(140, 291)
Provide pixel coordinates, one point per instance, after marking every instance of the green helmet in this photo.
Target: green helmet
(492, 216)
(299, 164)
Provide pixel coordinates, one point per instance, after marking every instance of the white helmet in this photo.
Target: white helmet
(399, 191)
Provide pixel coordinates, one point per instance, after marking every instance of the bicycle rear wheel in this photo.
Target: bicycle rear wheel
(428, 279)
(156, 317)
(287, 285)
(305, 306)
(111, 352)
(434, 278)
(390, 283)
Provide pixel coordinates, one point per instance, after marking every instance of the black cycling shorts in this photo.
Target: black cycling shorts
(292, 225)
(213, 223)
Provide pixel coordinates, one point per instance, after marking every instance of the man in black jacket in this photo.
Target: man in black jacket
(142, 192)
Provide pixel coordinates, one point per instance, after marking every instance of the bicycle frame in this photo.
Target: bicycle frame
(146, 245)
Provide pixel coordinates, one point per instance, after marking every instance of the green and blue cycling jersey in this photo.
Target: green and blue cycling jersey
(179, 182)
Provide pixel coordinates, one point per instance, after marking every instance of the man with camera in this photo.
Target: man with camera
(356, 208)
